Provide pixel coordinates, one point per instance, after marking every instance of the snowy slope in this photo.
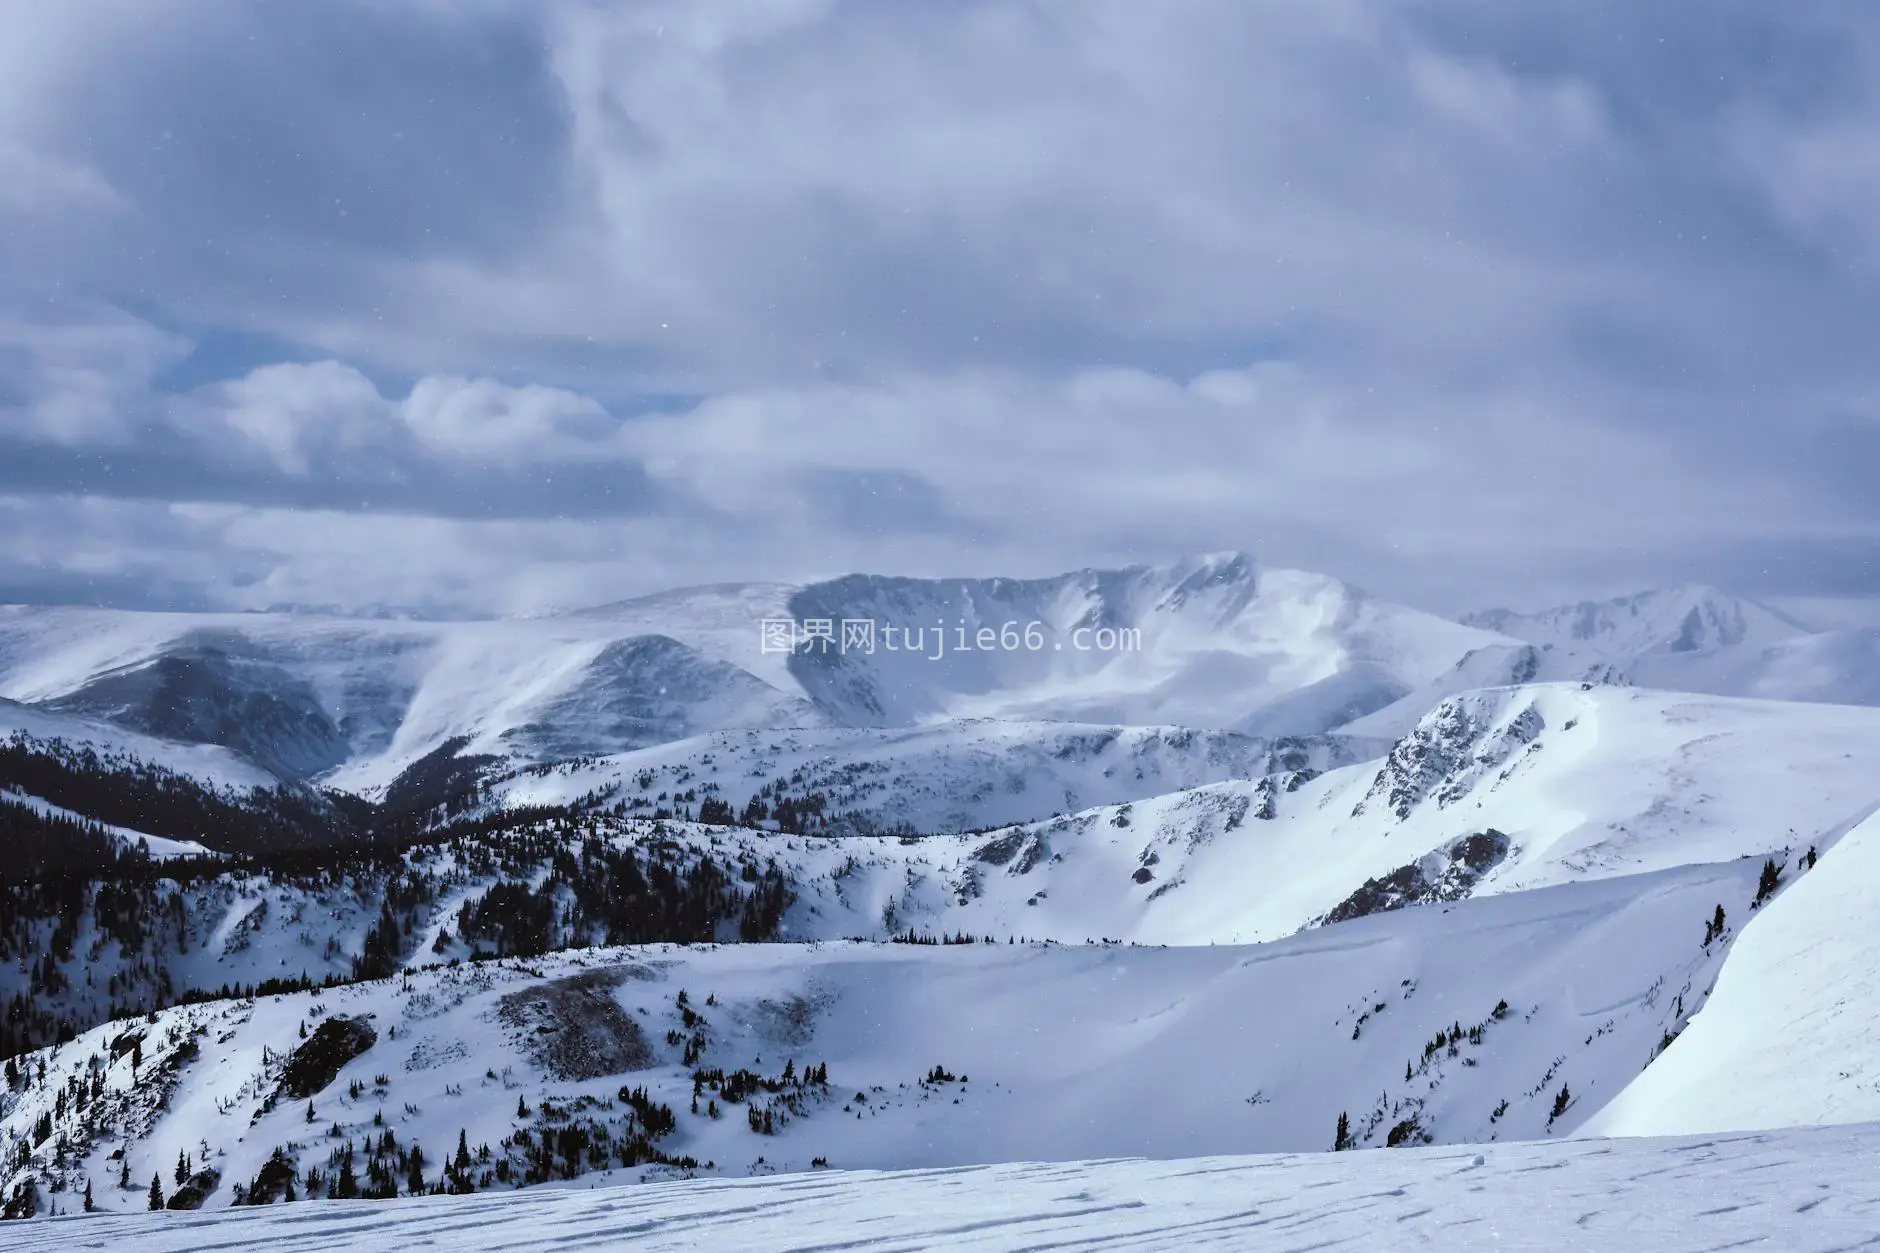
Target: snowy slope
(1835, 667)
(1050, 1052)
(156, 846)
(1830, 667)
(1211, 642)
(1799, 1191)
(1790, 1036)
(1582, 783)
(354, 702)
(1685, 619)
(208, 764)
(934, 779)
(1217, 642)
(1497, 792)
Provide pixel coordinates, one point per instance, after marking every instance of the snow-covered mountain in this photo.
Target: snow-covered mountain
(1213, 643)
(1811, 1191)
(1467, 1024)
(935, 779)
(1686, 619)
(1456, 885)
(1688, 639)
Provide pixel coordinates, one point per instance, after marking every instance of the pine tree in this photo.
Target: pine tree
(156, 1192)
(1343, 1139)
(1561, 1102)
(124, 1176)
(182, 1167)
(1770, 880)
(522, 1108)
(90, 1205)
(461, 1164)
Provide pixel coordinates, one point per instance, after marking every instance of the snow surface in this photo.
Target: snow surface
(1062, 1052)
(1791, 1035)
(1798, 1191)
(1691, 618)
(1223, 644)
(208, 764)
(1586, 783)
(158, 847)
(935, 779)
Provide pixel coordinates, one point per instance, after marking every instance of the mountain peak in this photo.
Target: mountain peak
(1690, 617)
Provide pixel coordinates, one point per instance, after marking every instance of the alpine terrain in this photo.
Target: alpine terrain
(403, 921)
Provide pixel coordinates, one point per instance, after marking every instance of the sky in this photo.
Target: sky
(468, 306)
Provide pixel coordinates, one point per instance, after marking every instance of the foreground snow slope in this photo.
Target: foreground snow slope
(1792, 1033)
(1504, 1018)
(1798, 1191)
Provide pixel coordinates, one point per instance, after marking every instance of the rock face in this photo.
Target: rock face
(1446, 874)
(1449, 750)
(205, 694)
(316, 1063)
(575, 1029)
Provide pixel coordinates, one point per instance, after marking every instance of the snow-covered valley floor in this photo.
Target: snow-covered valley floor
(1805, 1191)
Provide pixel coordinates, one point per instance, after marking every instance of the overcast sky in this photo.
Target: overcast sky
(485, 307)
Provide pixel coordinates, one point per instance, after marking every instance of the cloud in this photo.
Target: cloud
(1456, 299)
(77, 376)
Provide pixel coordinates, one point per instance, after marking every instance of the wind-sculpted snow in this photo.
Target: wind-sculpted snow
(1791, 1035)
(1809, 1191)
(1212, 642)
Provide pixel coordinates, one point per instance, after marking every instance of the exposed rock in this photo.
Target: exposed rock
(318, 1061)
(575, 1029)
(1447, 874)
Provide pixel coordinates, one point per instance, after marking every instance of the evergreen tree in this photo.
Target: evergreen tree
(1770, 880)
(1343, 1139)
(182, 1167)
(156, 1192)
(90, 1204)
(1561, 1102)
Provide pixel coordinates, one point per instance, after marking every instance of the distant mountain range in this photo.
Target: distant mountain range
(1216, 643)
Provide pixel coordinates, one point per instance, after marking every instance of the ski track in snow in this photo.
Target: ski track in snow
(1798, 1191)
